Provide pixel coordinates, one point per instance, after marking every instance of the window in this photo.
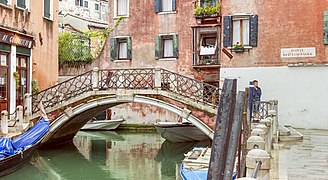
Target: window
(22, 4)
(206, 45)
(122, 7)
(240, 34)
(97, 7)
(165, 5)
(86, 4)
(5, 2)
(166, 46)
(21, 68)
(4, 76)
(121, 48)
(79, 3)
(47, 9)
(241, 29)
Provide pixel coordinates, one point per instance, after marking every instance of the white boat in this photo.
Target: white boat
(180, 132)
(102, 124)
(196, 163)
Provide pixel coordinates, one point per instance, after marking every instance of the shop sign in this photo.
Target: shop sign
(297, 52)
(15, 39)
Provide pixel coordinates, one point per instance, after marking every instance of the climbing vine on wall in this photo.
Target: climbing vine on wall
(83, 47)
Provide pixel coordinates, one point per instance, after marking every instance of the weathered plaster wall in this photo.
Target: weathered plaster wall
(45, 33)
(281, 24)
(301, 92)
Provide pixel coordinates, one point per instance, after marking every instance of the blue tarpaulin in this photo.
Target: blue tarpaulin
(9, 147)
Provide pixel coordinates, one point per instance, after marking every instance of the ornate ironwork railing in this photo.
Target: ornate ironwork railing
(63, 91)
(191, 88)
(126, 79)
(264, 108)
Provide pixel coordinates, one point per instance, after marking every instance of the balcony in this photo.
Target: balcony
(207, 12)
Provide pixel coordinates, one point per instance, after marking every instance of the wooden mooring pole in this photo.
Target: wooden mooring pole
(222, 130)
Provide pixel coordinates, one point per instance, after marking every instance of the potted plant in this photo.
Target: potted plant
(238, 47)
(17, 79)
(209, 9)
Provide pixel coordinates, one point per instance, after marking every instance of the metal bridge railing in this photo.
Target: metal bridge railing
(63, 91)
(145, 78)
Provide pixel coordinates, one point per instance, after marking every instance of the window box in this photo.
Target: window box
(207, 9)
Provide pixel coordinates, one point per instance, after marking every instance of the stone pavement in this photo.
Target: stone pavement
(307, 159)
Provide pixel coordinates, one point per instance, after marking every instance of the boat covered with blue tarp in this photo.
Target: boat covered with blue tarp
(14, 153)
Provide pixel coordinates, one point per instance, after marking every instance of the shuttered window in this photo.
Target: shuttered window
(241, 29)
(166, 46)
(121, 48)
(86, 4)
(21, 3)
(165, 5)
(46, 8)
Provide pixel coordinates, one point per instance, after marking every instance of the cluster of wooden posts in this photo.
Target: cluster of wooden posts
(233, 137)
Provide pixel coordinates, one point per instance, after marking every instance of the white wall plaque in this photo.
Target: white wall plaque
(297, 52)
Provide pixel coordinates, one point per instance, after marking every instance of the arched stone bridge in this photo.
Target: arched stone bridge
(72, 103)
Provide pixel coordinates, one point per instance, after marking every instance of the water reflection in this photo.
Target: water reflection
(109, 155)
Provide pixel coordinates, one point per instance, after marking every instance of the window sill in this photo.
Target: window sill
(245, 47)
(22, 9)
(167, 59)
(121, 61)
(116, 17)
(166, 12)
(49, 19)
(6, 6)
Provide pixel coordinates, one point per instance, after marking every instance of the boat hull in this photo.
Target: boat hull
(178, 132)
(102, 125)
(16, 161)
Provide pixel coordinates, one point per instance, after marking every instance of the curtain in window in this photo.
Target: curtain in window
(168, 48)
(245, 32)
(122, 7)
(166, 5)
(123, 50)
(236, 32)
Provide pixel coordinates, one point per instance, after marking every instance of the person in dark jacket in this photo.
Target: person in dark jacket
(257, 92)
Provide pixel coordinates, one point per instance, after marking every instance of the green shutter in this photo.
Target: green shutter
(113, 49)
(23, 51)
(46, 6)
(158, 6)
(5, 47)
(175, 46)
(227, 31)
(253, 29)
(325, 27)
(174, 4)
(129, 53)
(158, 47)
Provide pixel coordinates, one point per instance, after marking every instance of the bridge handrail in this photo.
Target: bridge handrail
(63, 91)
(136, 78)
(191, 88)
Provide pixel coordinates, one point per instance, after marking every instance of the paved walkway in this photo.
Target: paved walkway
(307, 159)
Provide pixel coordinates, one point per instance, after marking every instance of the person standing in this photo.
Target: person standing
(256, 96)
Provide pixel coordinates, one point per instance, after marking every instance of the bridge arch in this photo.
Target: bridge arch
(65, 127)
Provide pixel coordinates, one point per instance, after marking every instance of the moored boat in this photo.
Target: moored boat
(180, 132)
(196, 163)
(15, 153)
(95, 124)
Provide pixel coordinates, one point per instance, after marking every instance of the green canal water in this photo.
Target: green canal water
(113, 155)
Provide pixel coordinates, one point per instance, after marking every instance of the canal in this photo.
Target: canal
(121, 155)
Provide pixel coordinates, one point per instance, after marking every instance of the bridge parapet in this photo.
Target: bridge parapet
(129, 79)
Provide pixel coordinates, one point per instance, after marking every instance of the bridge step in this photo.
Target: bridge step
(289, 134)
